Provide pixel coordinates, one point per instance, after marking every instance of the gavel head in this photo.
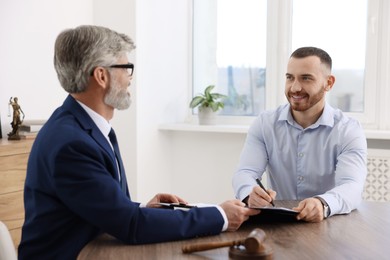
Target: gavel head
(254, 242)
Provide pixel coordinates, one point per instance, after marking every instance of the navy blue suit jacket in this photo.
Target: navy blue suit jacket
(72, 194)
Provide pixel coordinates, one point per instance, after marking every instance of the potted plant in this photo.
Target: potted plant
(208, 104)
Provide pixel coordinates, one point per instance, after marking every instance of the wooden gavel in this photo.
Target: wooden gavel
(253, 243)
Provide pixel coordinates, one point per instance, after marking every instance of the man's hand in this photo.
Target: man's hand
(310, 210)
(164, 197)
(259, 198)
(236, 213)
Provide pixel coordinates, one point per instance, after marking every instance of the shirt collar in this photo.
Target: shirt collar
(325, 119)
(103, 125)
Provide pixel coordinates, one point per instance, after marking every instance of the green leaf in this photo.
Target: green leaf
(196, 101)
(218, 96)
(208, 90)
(214, 106)
(208, 99)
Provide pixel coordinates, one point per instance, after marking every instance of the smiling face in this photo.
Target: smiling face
(307, 80)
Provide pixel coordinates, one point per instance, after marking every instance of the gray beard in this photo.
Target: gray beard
(117, 98)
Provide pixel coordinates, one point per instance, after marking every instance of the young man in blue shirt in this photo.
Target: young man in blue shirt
(310, 151)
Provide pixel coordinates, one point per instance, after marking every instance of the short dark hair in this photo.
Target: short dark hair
(304, 52)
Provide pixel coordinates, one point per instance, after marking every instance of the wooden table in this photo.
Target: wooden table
(363, 234)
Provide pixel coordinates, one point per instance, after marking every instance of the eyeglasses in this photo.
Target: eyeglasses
(128, 66)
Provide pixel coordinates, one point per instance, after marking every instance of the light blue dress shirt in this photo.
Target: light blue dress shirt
(326, 159)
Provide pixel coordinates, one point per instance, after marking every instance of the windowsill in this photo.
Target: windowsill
(377, 134)
(243, 129)
(194, 127)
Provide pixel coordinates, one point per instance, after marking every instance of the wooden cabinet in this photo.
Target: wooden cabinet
(13, 165)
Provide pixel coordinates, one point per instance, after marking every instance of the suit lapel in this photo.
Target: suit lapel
(90, 127)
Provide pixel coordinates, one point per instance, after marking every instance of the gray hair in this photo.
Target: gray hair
(79, 51)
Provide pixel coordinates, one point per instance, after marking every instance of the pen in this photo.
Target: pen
(261, 185)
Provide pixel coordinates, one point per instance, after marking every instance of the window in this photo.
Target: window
(230, 52)
(242, 46)
(324, 24)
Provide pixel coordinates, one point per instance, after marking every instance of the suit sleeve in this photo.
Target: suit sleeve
(89, 190)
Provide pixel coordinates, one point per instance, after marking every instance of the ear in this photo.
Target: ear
(330, 82)
(101, 76)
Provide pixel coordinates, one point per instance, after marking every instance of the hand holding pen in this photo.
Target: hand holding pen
(261, 185)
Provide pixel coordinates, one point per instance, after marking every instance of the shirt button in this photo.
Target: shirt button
(300, 178)
(300, 154)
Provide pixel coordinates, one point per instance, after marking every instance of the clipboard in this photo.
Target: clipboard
(274, 214)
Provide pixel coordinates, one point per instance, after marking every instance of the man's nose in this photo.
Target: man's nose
(295, 86)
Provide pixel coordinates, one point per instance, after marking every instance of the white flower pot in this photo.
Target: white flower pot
(206, 116)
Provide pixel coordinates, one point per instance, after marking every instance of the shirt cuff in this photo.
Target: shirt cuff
(225, 220)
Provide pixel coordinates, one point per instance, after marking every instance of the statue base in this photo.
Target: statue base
(14, 137)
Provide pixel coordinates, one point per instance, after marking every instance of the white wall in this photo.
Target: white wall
(28, 30)
(203, 164)
(162, 83)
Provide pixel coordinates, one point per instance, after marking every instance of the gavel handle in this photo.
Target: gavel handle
(211, 245)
